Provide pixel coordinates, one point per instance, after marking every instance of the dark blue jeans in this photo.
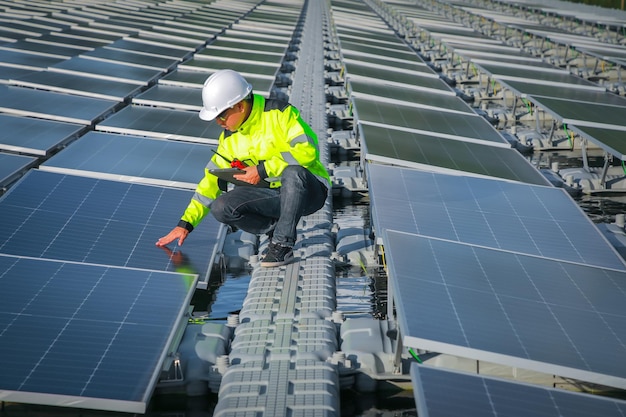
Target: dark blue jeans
(262, 210)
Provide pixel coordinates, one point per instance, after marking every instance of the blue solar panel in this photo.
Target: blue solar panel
(517, 310)
(86, 336)
(35, 136)
(530, 219)
(161, 123)
(12, 166)
(133, 159)
(444, 393)
(71, 218)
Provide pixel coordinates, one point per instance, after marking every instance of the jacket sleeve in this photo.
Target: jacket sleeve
(206, 192)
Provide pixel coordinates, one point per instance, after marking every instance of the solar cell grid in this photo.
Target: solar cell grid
(447, 102)
(584, 113)
(143, 160)
(35, 136)
(523, 218)
(11, 167)
(426, 120)
(405, 148)
(507, 308)
(85, 336)
(161, 123)
(71, 218)
(444, 393)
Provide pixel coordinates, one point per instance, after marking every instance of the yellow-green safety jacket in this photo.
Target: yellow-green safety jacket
(273, 137)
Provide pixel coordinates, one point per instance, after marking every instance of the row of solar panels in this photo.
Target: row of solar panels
(494, 267)
(603, 23)
(582, 106)
(93, 93)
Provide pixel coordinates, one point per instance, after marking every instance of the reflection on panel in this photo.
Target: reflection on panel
(79, 219)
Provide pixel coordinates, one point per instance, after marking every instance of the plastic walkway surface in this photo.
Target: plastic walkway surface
(279, 358)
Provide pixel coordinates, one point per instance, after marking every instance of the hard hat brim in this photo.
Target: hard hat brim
(207, 115)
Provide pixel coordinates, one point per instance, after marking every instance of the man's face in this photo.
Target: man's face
(231, 118)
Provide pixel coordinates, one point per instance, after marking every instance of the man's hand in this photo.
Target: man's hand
(178, 232)
(251, 175)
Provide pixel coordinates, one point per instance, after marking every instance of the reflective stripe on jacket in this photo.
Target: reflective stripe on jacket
(273, 137)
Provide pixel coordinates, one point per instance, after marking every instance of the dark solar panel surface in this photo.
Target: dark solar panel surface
(387, 145)
(444, 393)
(426, 120)
(536, 220)
(134, 159)
(507, 308)
(83, 335)
(71, 218)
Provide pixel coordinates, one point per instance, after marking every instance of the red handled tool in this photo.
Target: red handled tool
(235, 163)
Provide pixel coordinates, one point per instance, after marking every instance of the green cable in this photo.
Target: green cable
(569, 138)
(528, 106)
(417, 358)
(623, 166)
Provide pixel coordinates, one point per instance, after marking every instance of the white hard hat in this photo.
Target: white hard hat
(223, 89)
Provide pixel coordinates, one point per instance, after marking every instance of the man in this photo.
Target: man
(281, 164)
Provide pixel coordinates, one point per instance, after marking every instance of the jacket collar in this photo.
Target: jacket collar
(258, 103)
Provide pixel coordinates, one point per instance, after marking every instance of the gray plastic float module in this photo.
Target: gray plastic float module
(314, 339)
(303, 290)
(301, 388)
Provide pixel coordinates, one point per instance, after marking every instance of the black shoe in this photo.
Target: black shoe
(277, 255)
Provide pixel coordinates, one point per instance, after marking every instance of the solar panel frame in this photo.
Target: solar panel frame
(530, 219)
(434, 153)
(583, 113)
(13, 166)
(23, 60)
(107, 70)
(78, 85)
(418, 97)
(564, 91)
(133, 159)
(402, 52)
(37, 48)
(35, 136)
(50, 105)
(529, 73)
(473, 395)
(507, 308)
(175, 97)
(102, 222)
(245, 68)
(161, 123)
(470, 126)
(415, 64)
(131, 58)
(87, 336)
(195, 79)
(611, 140)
